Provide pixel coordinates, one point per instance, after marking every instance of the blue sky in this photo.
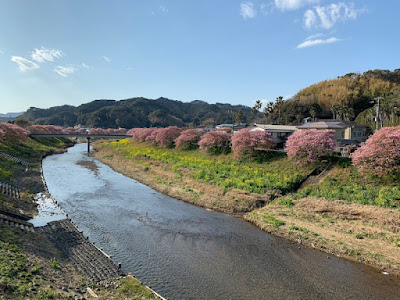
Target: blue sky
(73, 51)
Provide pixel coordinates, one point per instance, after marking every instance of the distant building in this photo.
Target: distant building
(233, 127)
(344, 130)
(279, 133)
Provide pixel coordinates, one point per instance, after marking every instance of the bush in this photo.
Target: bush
(310, 145)
(380, 154)
(247, 141)
(216, 142)
(188, 139)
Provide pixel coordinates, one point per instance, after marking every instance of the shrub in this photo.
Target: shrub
(188, 139)
(166, 136)
(247, 141)
(380, 154)
(310, 145)
(216, 142)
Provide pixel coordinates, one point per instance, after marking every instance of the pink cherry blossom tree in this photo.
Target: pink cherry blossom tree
(247, 141)
(380, 154)
(215, 142)
(151, 138)
(13, 133)
(166, 136)
(188, 139)
(140, 134)
(306, 146)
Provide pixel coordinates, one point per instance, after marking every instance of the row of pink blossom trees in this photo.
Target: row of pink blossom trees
(378, 156)
(12, 133)
(51, 129)
(245, 141)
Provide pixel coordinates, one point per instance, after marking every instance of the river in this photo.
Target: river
(186, 252)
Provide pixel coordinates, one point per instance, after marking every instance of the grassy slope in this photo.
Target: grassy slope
(344, 214)
(30, 267)
(216, 182)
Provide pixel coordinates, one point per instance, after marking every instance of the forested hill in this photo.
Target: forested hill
(137, 112)
(348, 97)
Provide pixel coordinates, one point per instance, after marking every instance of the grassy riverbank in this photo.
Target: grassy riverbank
(340, 212)
(31, 266)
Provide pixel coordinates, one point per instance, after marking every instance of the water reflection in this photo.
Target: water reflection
(186, 252)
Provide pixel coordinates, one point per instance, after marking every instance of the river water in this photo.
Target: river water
(186, 252)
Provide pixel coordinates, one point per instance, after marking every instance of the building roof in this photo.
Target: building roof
(330, 124)
(276, 128)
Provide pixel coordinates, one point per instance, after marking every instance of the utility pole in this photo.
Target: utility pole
(378, 119)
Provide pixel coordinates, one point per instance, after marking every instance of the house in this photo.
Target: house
(344, 130)
(279, 133)
(230, 127)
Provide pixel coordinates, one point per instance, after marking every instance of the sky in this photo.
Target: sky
(72, 51)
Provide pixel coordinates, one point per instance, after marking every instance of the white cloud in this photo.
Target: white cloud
(293, 4)
(44, 54)
(107, 59)
(315, 42)
(247, 10)
(65, 71)
(309, 19)
(24, 64)
(327, 16)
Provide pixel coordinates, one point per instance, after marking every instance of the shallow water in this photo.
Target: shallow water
(48, 211)
(186, 252)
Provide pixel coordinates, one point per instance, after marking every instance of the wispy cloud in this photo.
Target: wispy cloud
(44, 54)
(65, 71)
(107, 59)
(327, 16)
(247, 10)
(83, 65)
(293, 4)
(24, 64)
(315, 42)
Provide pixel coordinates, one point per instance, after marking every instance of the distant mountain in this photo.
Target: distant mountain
(137, 112)
(11, 115)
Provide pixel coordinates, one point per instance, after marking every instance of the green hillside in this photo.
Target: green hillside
(349, 97)
(137, 112)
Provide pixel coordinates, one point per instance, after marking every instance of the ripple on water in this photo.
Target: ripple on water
(185, 252)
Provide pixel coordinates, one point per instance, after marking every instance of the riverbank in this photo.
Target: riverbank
(363, 233)
(55, 261)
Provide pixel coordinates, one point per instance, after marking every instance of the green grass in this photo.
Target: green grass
(33, 148)
(273, 172)
(271, 220)
(346, 184)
